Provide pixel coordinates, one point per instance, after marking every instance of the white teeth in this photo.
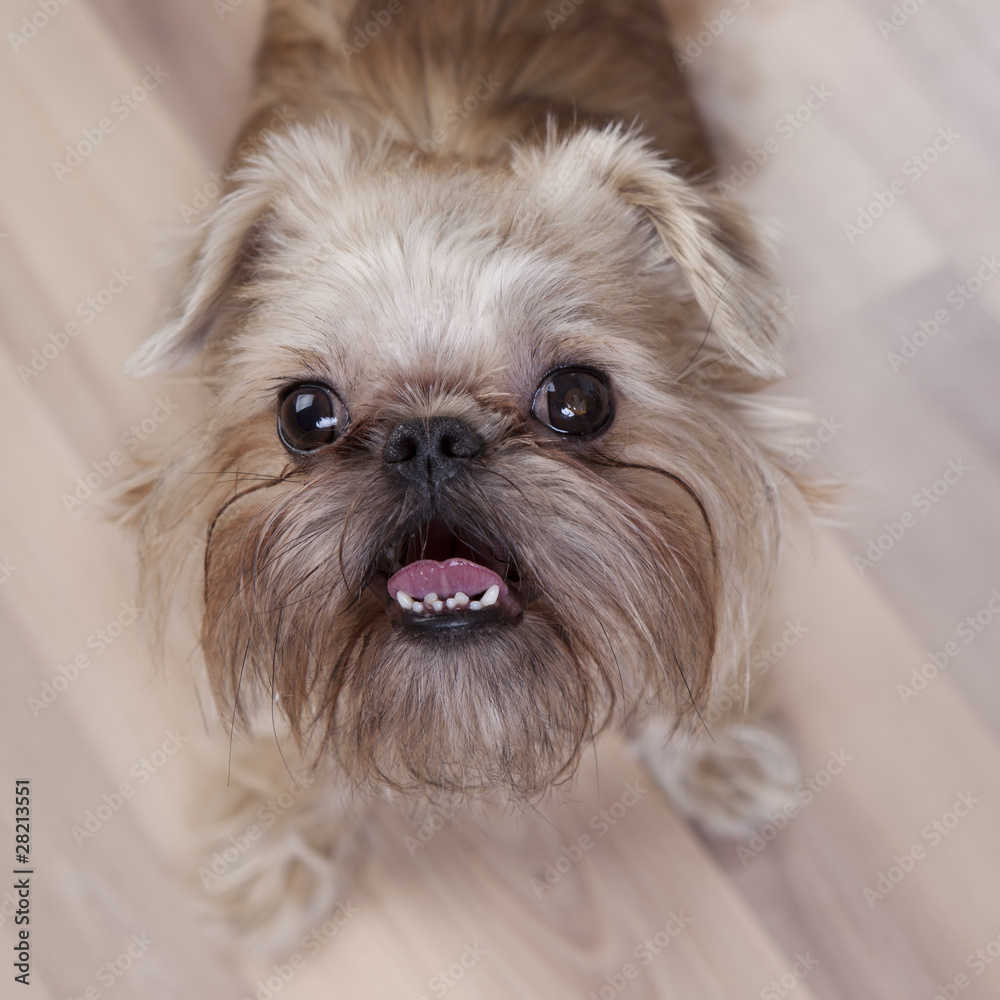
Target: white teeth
(460, 601)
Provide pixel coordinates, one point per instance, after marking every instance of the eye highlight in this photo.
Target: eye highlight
(310, 416)
(573, 401)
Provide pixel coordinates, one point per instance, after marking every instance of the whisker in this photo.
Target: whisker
(241, 587)
(711, 319)
(617, 464)
(236, 701)
(274, 728)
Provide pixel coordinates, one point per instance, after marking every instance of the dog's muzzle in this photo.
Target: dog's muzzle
(436, 575)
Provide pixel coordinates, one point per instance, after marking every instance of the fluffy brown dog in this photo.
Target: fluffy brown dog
(485, 469)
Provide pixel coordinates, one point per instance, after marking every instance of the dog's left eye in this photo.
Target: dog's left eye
(309, 417)
(573, 401)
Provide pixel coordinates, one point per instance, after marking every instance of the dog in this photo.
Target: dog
(485, 467)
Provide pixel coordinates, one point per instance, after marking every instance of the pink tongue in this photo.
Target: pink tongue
(446, 579)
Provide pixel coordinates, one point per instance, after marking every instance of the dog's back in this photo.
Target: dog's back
(463, 78)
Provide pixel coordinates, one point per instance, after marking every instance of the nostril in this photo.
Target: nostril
(456, 439)
(459, 447)
(404, 451)
(401, 446)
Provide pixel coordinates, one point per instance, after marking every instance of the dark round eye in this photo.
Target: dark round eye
(309, 417)
(573, 401)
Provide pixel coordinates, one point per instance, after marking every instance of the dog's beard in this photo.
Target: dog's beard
(610, 613)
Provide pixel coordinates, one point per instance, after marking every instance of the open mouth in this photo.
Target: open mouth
(437, 576)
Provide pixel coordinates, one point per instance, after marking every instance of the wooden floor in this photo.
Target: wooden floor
(885, 885)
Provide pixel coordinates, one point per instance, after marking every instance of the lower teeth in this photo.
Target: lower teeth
(432, 603)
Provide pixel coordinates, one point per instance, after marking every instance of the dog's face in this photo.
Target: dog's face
(462, 496)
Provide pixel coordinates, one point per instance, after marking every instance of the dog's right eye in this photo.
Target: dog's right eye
(309, 417)
(573, 401)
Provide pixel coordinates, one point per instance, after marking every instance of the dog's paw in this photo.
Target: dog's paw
(280, 858)
(729, 784)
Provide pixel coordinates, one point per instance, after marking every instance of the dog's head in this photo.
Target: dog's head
(475, 477)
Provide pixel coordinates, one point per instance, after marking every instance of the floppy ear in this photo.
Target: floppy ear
(278, 188)
(710, 238)
(215, 254)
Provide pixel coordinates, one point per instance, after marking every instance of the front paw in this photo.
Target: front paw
(728, 784)
(280, 858)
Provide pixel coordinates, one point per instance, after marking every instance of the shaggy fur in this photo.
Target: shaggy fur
(429, 221)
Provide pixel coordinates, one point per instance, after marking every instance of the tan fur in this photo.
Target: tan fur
(426, 261)
(605, 63)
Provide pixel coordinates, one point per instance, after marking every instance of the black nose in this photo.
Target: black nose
(432, 451)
